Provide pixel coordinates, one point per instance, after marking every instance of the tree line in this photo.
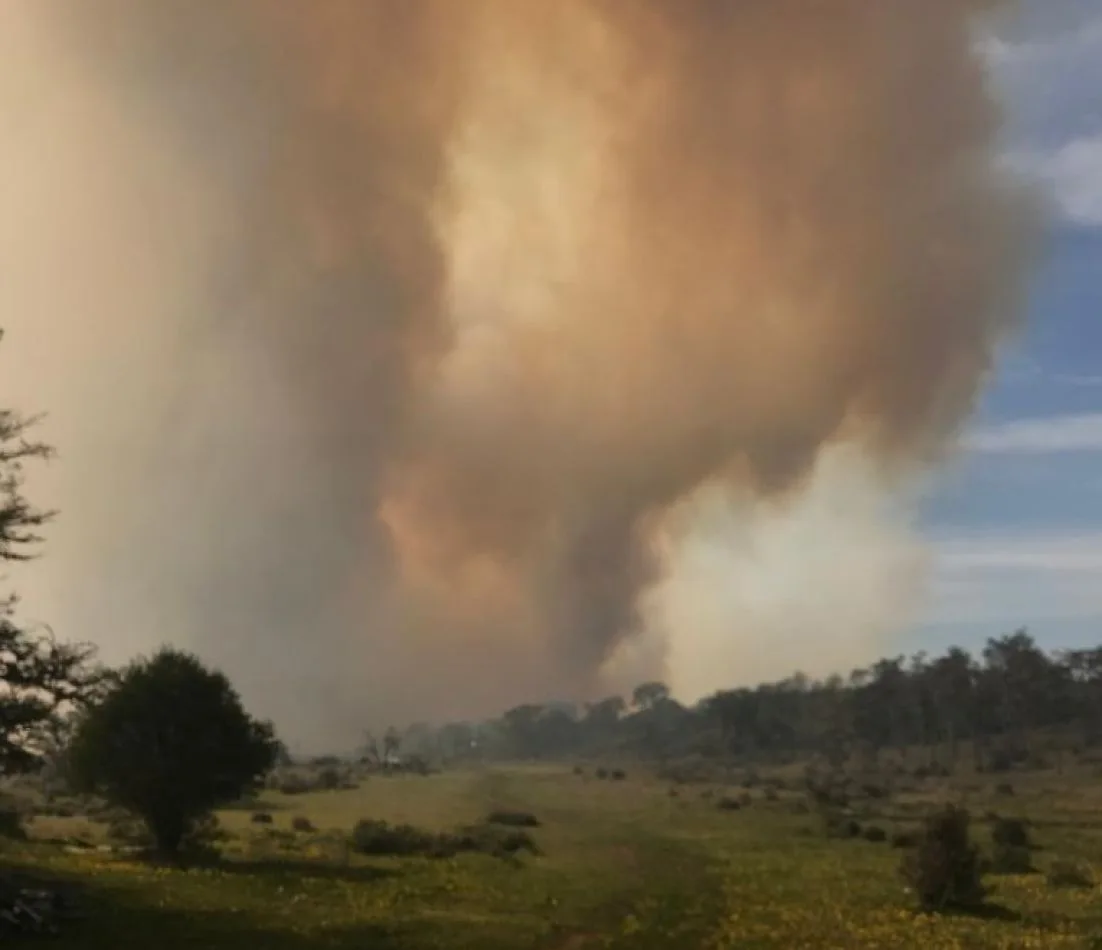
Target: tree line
(984, 710)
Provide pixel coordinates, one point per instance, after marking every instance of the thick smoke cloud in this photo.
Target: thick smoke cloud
(455, 313)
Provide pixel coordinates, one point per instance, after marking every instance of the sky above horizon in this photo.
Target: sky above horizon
(1016, 520)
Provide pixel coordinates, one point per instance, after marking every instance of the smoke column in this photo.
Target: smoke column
(414, 358)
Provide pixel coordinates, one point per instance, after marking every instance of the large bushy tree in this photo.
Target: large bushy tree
(170, 742)
(42, 680)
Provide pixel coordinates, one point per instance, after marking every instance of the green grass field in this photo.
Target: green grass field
(624, 864)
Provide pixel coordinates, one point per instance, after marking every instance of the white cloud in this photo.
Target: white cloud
(1016, 578)
(1047, 65)
(1056, 434)
(1003, 551)
(1071, 175)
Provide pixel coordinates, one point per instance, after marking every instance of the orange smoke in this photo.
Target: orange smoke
(534, 274)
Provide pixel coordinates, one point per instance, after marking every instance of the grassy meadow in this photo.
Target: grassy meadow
(638, 863)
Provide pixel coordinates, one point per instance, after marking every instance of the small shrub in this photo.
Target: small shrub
(1005, 789)
(904, 839)
(1070, 874)
(373, 837)
(11, 825)
(673, 792)
(578, 770)
(302, 823)
(261, 818)
(944, 869)
(602, 774)
(488, 839)
(1010, 859)
(294, 785)
(617, 775)
(771, 794)
(837, 824)
(1010, 833)
(329, 779)
(874, 834)
(513, 819)
(126, 830)
(873, 790)
(379, 838)
(729, 804)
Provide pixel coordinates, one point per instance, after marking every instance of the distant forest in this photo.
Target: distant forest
(1014, 703)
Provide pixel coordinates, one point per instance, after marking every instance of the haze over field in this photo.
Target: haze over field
(420, 359)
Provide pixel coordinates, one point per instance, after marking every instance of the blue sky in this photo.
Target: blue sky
(1016, 522)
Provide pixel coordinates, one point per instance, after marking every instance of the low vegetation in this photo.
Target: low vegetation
(415, 862)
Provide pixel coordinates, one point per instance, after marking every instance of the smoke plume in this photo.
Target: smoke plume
(418, 357)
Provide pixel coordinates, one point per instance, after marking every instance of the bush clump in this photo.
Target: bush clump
(130, 831)
(837, 824)
(294, 785)
(904, 839)
(944, 870)
(601, 773)
(11, 824)
(303, 824)
(329, 779)
(489, 839)
(874, 834)
(261, 818)
(729, 804)
(1010, 833)
(374, 837)
(617, 775)
(513, 819)
(378, 838)
(1010, 859)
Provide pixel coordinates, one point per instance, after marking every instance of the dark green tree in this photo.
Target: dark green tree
(170, 743)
